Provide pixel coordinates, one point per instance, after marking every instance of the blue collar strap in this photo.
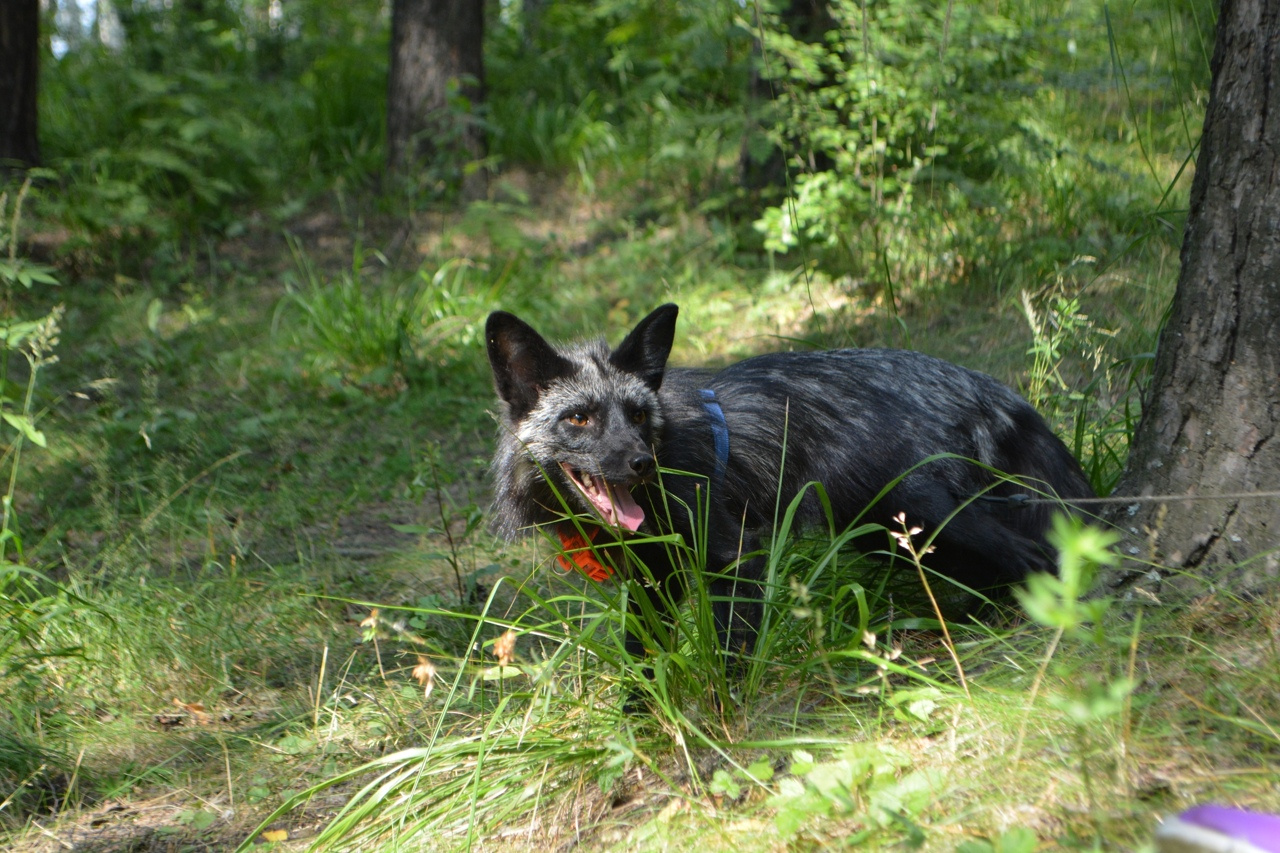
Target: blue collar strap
(719, 431)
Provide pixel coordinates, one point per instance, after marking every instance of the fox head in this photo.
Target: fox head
(585, 417)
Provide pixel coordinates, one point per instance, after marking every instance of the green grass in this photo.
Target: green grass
(256, 580)
(220, 518)
(233, 483)
(1075, 733)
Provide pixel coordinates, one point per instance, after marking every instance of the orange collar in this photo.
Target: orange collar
(579, 554)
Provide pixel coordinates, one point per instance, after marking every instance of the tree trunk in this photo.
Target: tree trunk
(1209, 430)
(437, 56)
(761, 164)
(19, 73)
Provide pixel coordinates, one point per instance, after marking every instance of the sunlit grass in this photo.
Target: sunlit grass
(254, 444)
(1075, 737)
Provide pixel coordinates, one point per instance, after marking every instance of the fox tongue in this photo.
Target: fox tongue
(626, 512)
(615, 505)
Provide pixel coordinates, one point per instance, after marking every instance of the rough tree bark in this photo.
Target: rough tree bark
(1210, 426)
(436, 45)
(19, 73)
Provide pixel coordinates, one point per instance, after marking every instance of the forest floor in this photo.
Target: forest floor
(234, 483)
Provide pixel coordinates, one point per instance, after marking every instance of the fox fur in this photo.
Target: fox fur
(631, 443)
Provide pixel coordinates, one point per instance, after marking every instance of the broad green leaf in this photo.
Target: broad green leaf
(24, 425)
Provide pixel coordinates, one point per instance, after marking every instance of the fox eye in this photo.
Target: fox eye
(577, 419)
(639, 416)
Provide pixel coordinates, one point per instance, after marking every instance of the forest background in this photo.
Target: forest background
(248, 418)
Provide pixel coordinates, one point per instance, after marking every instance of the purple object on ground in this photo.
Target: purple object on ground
(1217, 829)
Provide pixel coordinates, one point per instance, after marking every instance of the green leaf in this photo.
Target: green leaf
(906, 796)
(14, 334)
(795, 804)
(761, 769)
(24, 425)
(24, 272)
(197, 819)
(159, 158)
(723, 783)
(155, 310)
(1017, 839)
(295, 745)
(916, 704)
(500, 673)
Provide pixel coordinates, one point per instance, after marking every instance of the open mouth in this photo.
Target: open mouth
(614, 504)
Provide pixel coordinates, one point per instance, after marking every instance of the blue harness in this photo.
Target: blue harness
(719, 432)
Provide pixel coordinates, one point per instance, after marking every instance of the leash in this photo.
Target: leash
(1027, 500)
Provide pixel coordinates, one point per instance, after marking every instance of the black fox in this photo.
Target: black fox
(590, 427)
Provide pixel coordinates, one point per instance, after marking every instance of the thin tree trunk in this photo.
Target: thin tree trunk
(436, 52)
(804, 20)
(19, 75)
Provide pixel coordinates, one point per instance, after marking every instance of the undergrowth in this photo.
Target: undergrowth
(483, 702)
(855, 720)
(246, 569)
(33, 773)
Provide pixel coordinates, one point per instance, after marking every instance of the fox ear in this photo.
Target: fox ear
(523, 363)
(644, 352)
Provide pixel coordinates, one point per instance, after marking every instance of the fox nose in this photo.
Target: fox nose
(642, 464)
